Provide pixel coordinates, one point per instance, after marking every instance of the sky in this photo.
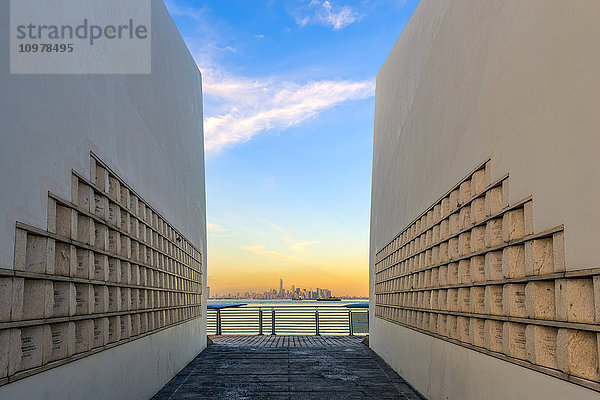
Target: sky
(288, 90)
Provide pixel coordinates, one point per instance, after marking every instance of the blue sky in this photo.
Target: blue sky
(288, 119)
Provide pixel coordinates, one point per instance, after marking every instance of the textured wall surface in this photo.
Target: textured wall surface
(514, 82)
(147, 129)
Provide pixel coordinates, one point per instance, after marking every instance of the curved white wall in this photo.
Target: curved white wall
(516, 81)
(146, 128)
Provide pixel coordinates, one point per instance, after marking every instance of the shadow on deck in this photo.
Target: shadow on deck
(287, 367)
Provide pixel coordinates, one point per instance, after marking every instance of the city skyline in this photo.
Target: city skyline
(293, 292)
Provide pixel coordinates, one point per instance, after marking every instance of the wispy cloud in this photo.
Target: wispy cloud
(214, 228)
(218, 230)
(247, 107)
(225, 48)
(263, 251)
(325, 13)
(175, 9)
(296, 245)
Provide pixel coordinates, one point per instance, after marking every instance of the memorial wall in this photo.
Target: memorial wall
(103, 235)
(484, 262)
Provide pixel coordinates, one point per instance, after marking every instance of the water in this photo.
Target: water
(285, 302)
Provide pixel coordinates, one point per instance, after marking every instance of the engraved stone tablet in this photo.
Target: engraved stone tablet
(63, 340)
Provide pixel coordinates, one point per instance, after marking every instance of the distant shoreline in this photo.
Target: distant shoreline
(241, 299)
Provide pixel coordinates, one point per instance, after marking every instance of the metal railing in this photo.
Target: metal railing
(287, 320)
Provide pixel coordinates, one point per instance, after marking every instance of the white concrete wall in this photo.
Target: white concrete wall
(148, 129)
(135, 370)
(514, 80)
(442, 370)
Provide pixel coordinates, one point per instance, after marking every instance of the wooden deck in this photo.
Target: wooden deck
(287, 367)
(288, 341)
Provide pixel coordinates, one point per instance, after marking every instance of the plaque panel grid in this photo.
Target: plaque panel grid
(108, 269)
(472, 271)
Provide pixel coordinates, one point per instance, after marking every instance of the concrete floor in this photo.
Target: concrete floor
(290, 367)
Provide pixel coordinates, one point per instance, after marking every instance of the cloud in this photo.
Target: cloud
(243, 107)
(226, 48)
(263, 251)
(175, 9)
(324, 13)
(218, 230)
(261, 36)
(296, 245)
(214, 228)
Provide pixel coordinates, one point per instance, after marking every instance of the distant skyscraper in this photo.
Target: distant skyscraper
(208, 292)
(281, 286)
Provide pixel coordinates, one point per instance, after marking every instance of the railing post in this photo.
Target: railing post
(218, 321)
(317, 321)
(350, 322)
(260, 321)
(272, 322)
